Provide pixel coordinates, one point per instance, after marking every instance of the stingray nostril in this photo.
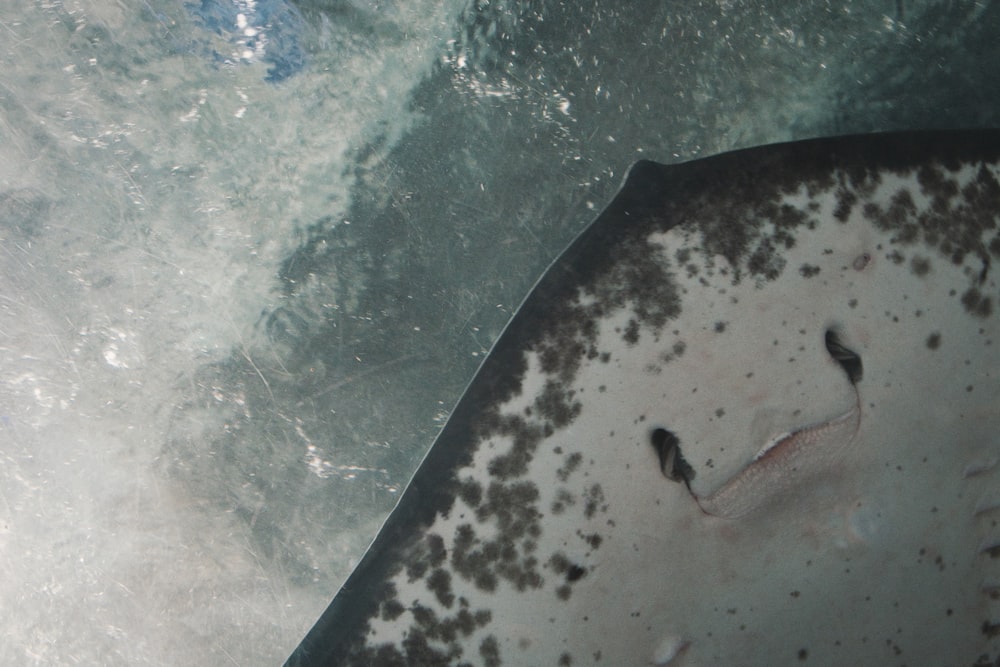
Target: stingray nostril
(848, 359)
(672, 463)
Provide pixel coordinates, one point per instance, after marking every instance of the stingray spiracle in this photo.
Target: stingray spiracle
(784, 462)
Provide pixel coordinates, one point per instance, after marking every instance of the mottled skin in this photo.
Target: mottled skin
(553, 522)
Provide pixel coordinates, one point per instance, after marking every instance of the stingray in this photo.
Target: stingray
(751, 416)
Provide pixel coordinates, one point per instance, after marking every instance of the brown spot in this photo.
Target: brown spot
(631, 335)
(976, 303)
(920, 266)
(570, 464)
(595, 496)
(392, 609)
(471, 492)
(993, 551)
(557, 405)
(439, 583)
(808, 270)
(846, 199)
(489, 649)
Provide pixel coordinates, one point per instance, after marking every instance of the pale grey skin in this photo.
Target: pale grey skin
(661, 462)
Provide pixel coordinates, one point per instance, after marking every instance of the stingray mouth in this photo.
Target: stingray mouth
(787, 461)
(815, 435)
(784, 461)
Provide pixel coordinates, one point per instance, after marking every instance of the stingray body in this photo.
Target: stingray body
(750, 417)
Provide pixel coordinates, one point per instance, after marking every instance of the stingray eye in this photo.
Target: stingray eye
(861, 261)
(672, 463)
(848, 359)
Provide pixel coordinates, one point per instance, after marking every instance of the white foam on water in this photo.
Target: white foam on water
(148, 196)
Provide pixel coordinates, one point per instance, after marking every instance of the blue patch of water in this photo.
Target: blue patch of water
(259, 30)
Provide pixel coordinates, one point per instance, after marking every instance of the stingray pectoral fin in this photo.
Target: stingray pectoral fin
(788, 460)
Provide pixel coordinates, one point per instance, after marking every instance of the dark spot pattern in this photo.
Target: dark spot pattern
(631, 333)
(525, 437)
(470, 492)
(489, 649)
(572, 462)
(846, 199)
(593, 501)
(563, 500)
(482, 466)
(439, 583)
(556, 405)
